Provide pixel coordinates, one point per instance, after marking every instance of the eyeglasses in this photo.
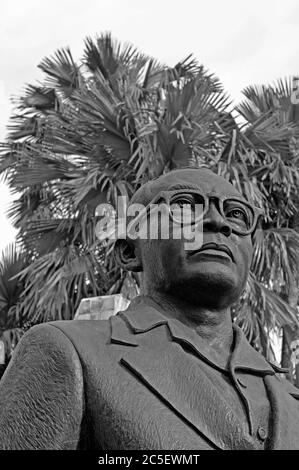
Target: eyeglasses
(191, 206)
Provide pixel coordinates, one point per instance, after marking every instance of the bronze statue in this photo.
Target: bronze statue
(170, 372)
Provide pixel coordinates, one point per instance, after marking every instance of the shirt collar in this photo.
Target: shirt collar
(143, 315)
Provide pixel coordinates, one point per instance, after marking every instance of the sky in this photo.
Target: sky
(242, 42)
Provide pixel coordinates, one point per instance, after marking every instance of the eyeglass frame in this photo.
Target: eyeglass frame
(167, 195)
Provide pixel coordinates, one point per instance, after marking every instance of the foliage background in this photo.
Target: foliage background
(97, 129)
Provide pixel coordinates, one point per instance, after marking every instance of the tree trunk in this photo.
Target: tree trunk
(289, 335)
(294, 291)
(286, 351)
(297, 376)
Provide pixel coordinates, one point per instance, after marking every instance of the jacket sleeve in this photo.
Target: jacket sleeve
(41, 393)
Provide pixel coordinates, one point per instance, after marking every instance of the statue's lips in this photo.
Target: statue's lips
(214, 250)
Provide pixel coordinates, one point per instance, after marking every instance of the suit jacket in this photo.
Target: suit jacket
(127, 383)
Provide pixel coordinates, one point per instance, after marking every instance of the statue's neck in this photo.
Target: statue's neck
(213, 326)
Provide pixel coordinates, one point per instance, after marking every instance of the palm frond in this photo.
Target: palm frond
(12, 261)
(261, 306)
(62, 72)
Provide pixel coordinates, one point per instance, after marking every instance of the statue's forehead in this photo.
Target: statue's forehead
(203, 180)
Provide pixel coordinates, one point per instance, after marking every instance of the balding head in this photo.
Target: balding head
(189, 178)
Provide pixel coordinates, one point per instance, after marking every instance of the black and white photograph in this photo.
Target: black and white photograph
(149, 230)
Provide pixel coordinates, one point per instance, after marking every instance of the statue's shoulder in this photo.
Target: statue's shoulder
(83, 330)
(66, 333)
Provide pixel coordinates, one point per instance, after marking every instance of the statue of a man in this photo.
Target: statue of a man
(170, 372)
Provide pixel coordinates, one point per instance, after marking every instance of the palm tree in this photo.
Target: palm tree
(12, 326)
(95, 131)
(278, 175)
(87, 135)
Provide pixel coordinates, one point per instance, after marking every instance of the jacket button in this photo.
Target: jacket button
(262, 433)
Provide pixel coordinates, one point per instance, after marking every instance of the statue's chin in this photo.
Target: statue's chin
(210, 291)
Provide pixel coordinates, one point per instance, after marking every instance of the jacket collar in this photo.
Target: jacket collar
(143, 315)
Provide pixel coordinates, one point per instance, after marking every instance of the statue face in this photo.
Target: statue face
(213, 275)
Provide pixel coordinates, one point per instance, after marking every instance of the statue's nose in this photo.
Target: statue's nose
(214, 222)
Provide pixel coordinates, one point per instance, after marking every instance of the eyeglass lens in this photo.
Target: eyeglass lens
(190, 207)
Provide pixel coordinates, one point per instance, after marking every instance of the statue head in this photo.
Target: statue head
(211, 273)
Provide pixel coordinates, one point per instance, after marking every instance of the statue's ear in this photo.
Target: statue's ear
(127, 255)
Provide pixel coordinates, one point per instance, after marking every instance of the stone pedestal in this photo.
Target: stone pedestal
(101, 308)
